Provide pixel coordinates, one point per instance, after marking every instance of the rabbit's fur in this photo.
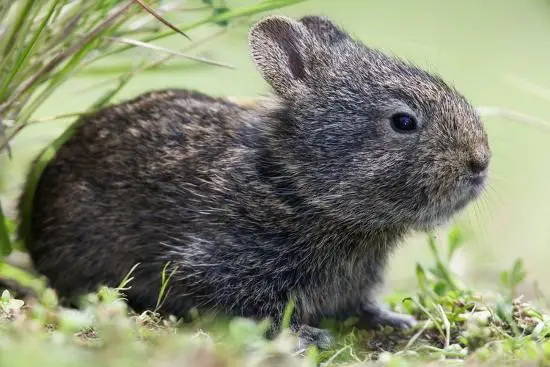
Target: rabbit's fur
(304, 196)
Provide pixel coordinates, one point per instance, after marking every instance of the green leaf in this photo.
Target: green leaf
(289, 311)
(128, 278)
(517, 276)
(505, 279)
(440, 288)
(6, 296)
(220, 11)
(5, 243)
(22, 277)
(441, 269)
(108, 96)
(512, 278)
(421, 277)
(456, 240)
(504, 310)
(432, 243)
(165, 280)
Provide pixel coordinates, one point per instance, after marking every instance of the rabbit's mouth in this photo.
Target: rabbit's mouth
(470, 188)
(476, 184)
(467, 189)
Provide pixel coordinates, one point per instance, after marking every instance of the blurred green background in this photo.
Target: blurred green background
(496, 52)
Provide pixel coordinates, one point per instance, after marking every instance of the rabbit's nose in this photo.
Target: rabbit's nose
(479, 163)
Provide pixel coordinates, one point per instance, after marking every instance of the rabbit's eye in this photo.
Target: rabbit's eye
(403, 123)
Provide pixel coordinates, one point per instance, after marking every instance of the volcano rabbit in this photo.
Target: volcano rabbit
(304, 196)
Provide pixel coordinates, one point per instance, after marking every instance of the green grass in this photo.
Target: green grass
(458, 325)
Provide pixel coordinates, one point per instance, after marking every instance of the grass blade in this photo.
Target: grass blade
(161, 19)
(165, 280)
(288, 313)
(514, 116)
(5, 243)
(26, 52)
(172, 52)
(80, 50)
(15, 31)
(154, 64)
(104, 99)
(222, 17)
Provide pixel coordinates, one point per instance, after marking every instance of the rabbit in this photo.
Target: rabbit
(302, 197)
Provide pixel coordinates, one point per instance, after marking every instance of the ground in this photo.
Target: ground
(458, 326)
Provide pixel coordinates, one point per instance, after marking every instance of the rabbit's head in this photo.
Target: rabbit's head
(368, 138)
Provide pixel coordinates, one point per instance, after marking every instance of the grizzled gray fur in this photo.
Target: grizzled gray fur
(304, 196)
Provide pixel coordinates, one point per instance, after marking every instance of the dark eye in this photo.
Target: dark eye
(403, 123)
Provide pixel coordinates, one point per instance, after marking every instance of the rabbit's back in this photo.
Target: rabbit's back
(115, 189)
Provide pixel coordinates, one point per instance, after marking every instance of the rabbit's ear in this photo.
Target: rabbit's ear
(323, 29)
(278, 46)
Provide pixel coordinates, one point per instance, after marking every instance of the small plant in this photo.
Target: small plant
(9, 306)
(165, 280)
(511, 279)
(456, 322)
